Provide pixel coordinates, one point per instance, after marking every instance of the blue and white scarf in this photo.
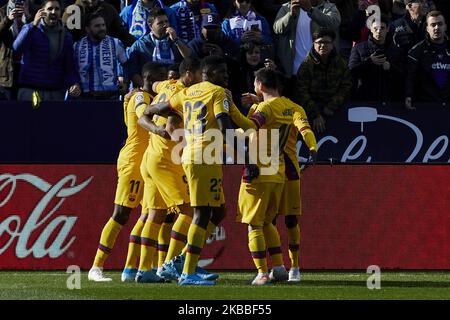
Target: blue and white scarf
(97, 64)
(137, 21)
(187, 24)
(237, 22)
(162, 52)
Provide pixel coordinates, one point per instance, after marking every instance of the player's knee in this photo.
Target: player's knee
(290, 221)
(121, 214)
(186, 209)
(201, 217)
(170, 218)
(218, 214)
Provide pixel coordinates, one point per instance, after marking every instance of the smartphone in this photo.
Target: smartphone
(379, 52)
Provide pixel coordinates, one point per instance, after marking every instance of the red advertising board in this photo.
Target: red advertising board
(393, 216)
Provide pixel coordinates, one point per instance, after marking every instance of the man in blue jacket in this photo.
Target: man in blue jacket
(48, 66)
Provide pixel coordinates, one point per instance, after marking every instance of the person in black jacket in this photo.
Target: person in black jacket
(428, 77)
(376, 66)
(410, 29)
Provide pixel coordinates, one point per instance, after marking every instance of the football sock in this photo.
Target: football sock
(257, 246)
(294, 247)
(209, 230)
(164, 241)
(107, 239)
(149, 243)
(273, 243)
(195, 240)
(178, 236)
(134, 246)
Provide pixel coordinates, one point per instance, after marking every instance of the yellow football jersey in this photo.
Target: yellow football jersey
(301, 125)
(158, 146)
(284, 115)
(200, 105)
(137, 139)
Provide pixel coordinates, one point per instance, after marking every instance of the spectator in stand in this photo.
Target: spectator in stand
(375, 66)
(296, 21)
(347, 10)
(135, 16)
(160, 45)
(189, 17)
(428, 77)
(12, 17)
(410, 29)
(48, 68)
(325, 82)
(114, 24)
(398, 9)
(212, 40)
(251, 61)
(98, 59)
(243, 24)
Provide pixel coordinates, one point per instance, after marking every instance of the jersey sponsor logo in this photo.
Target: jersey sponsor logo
(440, 66)
(288, 112)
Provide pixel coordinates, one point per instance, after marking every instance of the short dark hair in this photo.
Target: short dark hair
(211, 62)
(324, 33)
(270, 78)
(189, 64)
(151, 66)
(434, 14)
(155, 14)
(94, 15)
(45, 2)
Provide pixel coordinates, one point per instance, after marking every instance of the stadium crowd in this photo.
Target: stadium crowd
(329, 51)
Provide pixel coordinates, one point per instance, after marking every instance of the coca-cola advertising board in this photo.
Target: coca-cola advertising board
(394, 216)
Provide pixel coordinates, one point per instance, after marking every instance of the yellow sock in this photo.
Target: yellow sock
(107, 239)
(209, 230)
(149, 243)
(134, 246)
(294, 247)
(257, 246)
(163, 241)
(273, 243)
(196, 240)
(178, 236)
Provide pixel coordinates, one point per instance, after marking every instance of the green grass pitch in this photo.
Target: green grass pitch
(231, 286)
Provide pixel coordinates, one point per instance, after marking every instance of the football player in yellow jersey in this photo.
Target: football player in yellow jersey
(164, 179)
(203, 108)
(290, 206)
(260, 194)
(130, 187)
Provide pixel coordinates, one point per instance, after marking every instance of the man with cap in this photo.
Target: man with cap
(212, 40)
(410, 29)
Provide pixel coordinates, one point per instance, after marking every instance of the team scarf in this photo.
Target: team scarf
(250, 16)
(162, 52)
(137, 21)
(98, 70)
(187, 24)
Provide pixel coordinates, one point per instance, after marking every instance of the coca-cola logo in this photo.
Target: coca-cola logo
(43, 217)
